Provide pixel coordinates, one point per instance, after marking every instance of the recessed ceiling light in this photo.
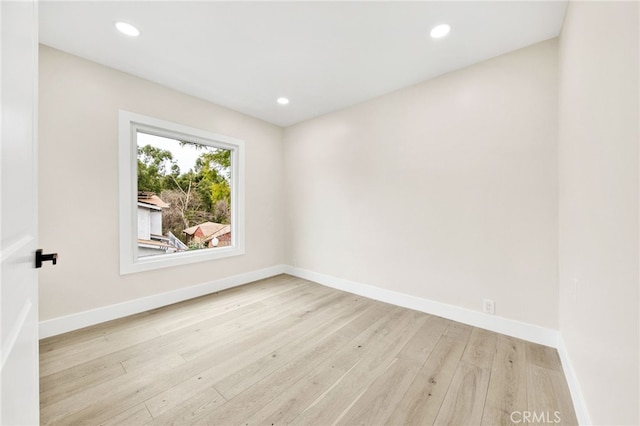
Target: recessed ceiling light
(440, 31)
(127, 29)
(283, 101)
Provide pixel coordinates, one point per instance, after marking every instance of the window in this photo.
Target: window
(181, 194)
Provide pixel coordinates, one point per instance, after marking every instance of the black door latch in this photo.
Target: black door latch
(53, 257)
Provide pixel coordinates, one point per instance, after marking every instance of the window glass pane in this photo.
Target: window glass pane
(183, 196)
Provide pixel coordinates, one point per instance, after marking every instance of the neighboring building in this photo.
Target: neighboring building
(210, 233)
(150, 239)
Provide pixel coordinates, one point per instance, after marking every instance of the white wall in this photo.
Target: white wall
(155, 227)
(79, 102)
(144, 223)
(598, 172)
(446, 190)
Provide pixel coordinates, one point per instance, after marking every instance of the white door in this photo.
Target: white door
(18, 219)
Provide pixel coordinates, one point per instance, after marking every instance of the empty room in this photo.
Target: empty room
(320, 213)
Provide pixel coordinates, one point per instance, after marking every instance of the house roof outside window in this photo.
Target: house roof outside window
(208, 230)
(152, 199)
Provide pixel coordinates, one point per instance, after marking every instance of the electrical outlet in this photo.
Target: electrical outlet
(489, 306)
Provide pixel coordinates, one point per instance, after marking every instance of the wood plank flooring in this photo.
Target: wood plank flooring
(285, 350)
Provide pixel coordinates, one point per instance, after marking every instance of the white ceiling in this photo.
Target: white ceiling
(323, 56)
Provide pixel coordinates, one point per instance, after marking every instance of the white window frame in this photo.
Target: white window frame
(129, 124)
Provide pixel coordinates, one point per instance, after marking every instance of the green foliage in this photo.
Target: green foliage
(220, 191)
(213, 169)
(195, 196)
(196, 244)
(220, 159)
(155, 165)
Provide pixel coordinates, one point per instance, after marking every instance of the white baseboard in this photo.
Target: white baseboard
(521, 330)
(579, 404)
(532, 333)
(72, 322)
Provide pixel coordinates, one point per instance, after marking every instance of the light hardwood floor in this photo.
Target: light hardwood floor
(285, 350)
